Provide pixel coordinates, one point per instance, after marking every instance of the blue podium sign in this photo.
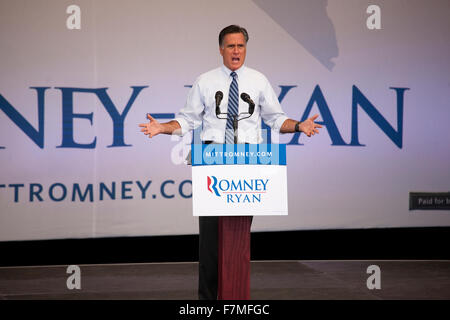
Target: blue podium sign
(218, 154)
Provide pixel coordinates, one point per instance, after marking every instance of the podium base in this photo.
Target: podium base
(234, 257)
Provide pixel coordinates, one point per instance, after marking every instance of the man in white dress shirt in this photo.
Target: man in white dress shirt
(200, 109)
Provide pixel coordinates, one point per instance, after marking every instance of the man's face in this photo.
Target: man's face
(233, 50)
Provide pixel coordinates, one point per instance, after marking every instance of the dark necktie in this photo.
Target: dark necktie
(233, 108)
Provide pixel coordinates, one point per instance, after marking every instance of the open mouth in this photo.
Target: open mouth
(235, 59)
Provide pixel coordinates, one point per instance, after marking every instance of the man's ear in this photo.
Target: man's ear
(221, 51)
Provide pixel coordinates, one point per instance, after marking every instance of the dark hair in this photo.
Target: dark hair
(232, 29)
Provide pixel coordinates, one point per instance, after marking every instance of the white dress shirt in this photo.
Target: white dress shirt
(200, 107)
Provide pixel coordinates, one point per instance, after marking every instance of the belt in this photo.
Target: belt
(210, 141)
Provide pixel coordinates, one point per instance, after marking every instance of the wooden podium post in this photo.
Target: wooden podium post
(234, 258)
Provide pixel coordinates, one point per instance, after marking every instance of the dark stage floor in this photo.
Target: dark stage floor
(290, 280)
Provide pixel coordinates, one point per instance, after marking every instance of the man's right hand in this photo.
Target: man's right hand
(151, 128)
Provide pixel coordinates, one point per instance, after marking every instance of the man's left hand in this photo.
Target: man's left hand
(309, 127)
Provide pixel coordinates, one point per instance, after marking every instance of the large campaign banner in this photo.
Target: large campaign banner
(78, 76)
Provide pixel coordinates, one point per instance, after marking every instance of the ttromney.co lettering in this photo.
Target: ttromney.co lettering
(90, 192)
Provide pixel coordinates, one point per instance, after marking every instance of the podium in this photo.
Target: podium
(237, 182)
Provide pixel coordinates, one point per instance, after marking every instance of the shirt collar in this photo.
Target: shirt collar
(228, 71)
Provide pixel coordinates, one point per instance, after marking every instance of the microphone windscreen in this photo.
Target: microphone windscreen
(218, 96)
(245, 97)
(251, 104)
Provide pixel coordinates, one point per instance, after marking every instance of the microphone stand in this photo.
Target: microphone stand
(251, 109)
(235, 121)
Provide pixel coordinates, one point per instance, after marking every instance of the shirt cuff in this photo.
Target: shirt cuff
(184, 125)
(279, 122)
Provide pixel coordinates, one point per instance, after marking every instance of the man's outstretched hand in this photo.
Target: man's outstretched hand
(151, 128)
(309, 127)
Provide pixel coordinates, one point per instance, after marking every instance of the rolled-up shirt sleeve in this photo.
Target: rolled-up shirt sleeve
(271, 111)
(191, 115)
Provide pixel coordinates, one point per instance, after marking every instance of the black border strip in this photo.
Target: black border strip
(428, 243)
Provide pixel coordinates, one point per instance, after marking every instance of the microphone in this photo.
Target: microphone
(251, 104)
(219, 96)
